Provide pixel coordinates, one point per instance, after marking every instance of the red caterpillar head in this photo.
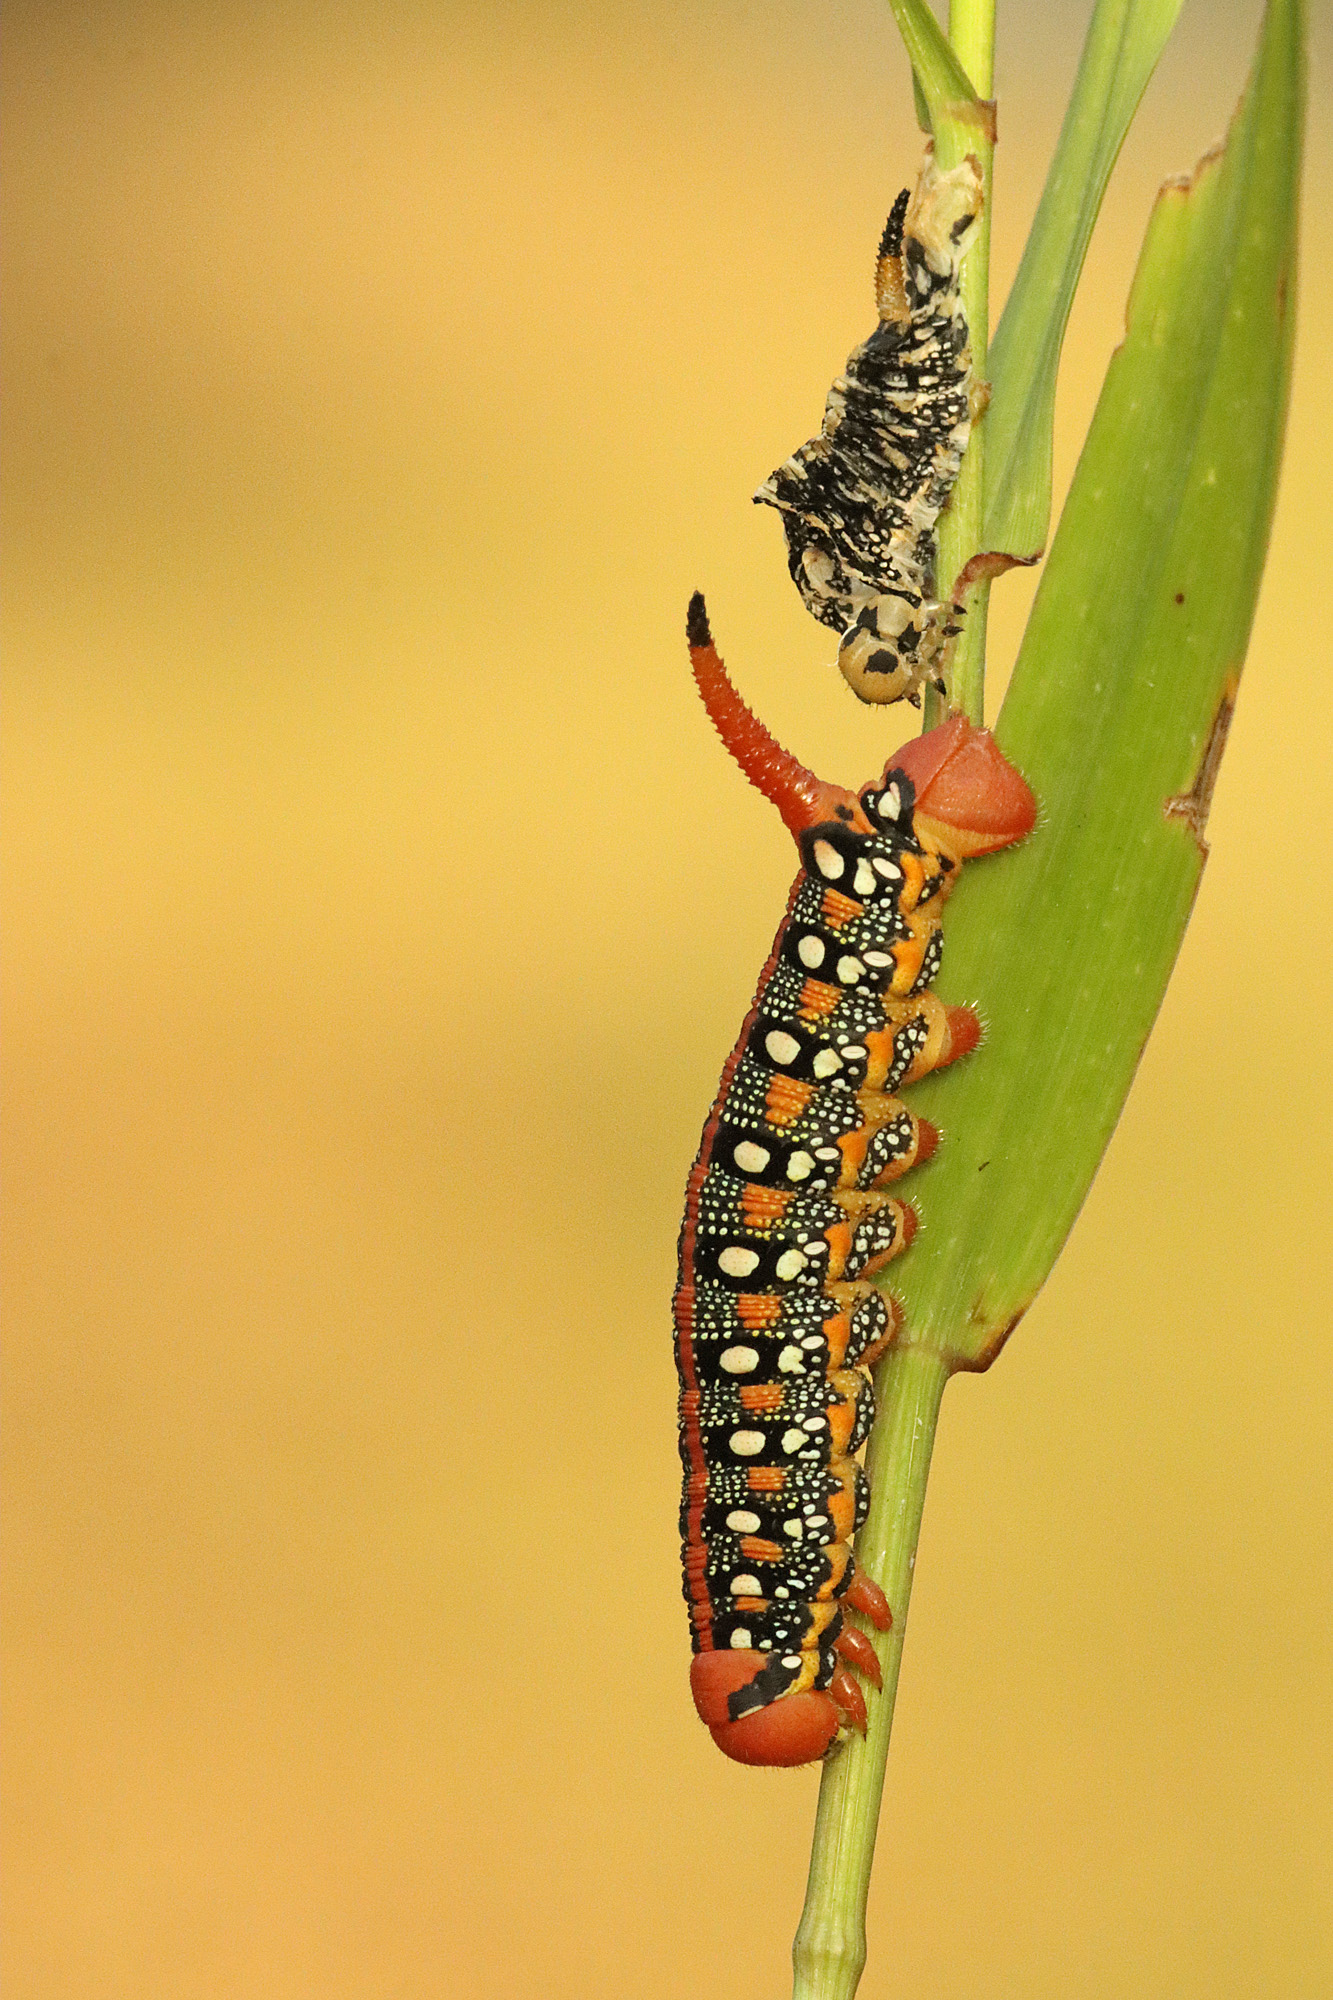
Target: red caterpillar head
(969, 799)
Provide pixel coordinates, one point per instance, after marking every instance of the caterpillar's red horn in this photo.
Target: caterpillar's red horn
(803, 799)
(966, 789)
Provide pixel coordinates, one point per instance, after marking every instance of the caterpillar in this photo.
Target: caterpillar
(788, 1218)
(859, 502)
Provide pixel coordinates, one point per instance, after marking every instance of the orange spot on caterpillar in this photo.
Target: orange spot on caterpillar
(755, 1549)
(757, 1310)
(763, 1206)
(839, 909)
(766, 1479)
(786, 1098)
(817, 1000)
(760, 1396)
(907, 956)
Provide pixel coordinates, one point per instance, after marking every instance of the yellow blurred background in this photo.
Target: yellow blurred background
(380, 909)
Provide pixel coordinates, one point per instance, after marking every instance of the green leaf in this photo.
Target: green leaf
(1117, 714)
(941, 81)
(1125, 40)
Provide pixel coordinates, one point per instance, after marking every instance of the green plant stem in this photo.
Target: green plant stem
(830, 1948)
(972, 37)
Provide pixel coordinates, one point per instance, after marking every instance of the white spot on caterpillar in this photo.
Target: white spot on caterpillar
(799, 1167)
(793, 1441)
(890, 802)
(863, 881)
(850, 970)
(794, 1529)
(888, 869)
(792, 1660)
(810, 951)
(742, 1522)
(744, 1444)
(827, 1063)
(737, 1262)
(782, 1048)
(789, 1265)
(751, 1159)
(828, 861)
(790, 1361)
(739, 1360)
(745, 1586)
(740, 1639)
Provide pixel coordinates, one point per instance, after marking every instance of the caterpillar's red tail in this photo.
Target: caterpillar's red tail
(803, 799)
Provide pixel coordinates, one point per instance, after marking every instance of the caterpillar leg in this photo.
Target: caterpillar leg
(853, 1646)
(844, 1690)
(866, 1597)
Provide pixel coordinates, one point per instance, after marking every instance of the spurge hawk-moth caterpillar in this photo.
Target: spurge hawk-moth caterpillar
(788, 1218)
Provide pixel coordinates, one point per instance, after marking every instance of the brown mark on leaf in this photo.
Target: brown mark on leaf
(1192, 806)
(978, 1363)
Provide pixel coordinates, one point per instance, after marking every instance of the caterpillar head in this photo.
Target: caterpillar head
(968, 798)
(889, 648)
